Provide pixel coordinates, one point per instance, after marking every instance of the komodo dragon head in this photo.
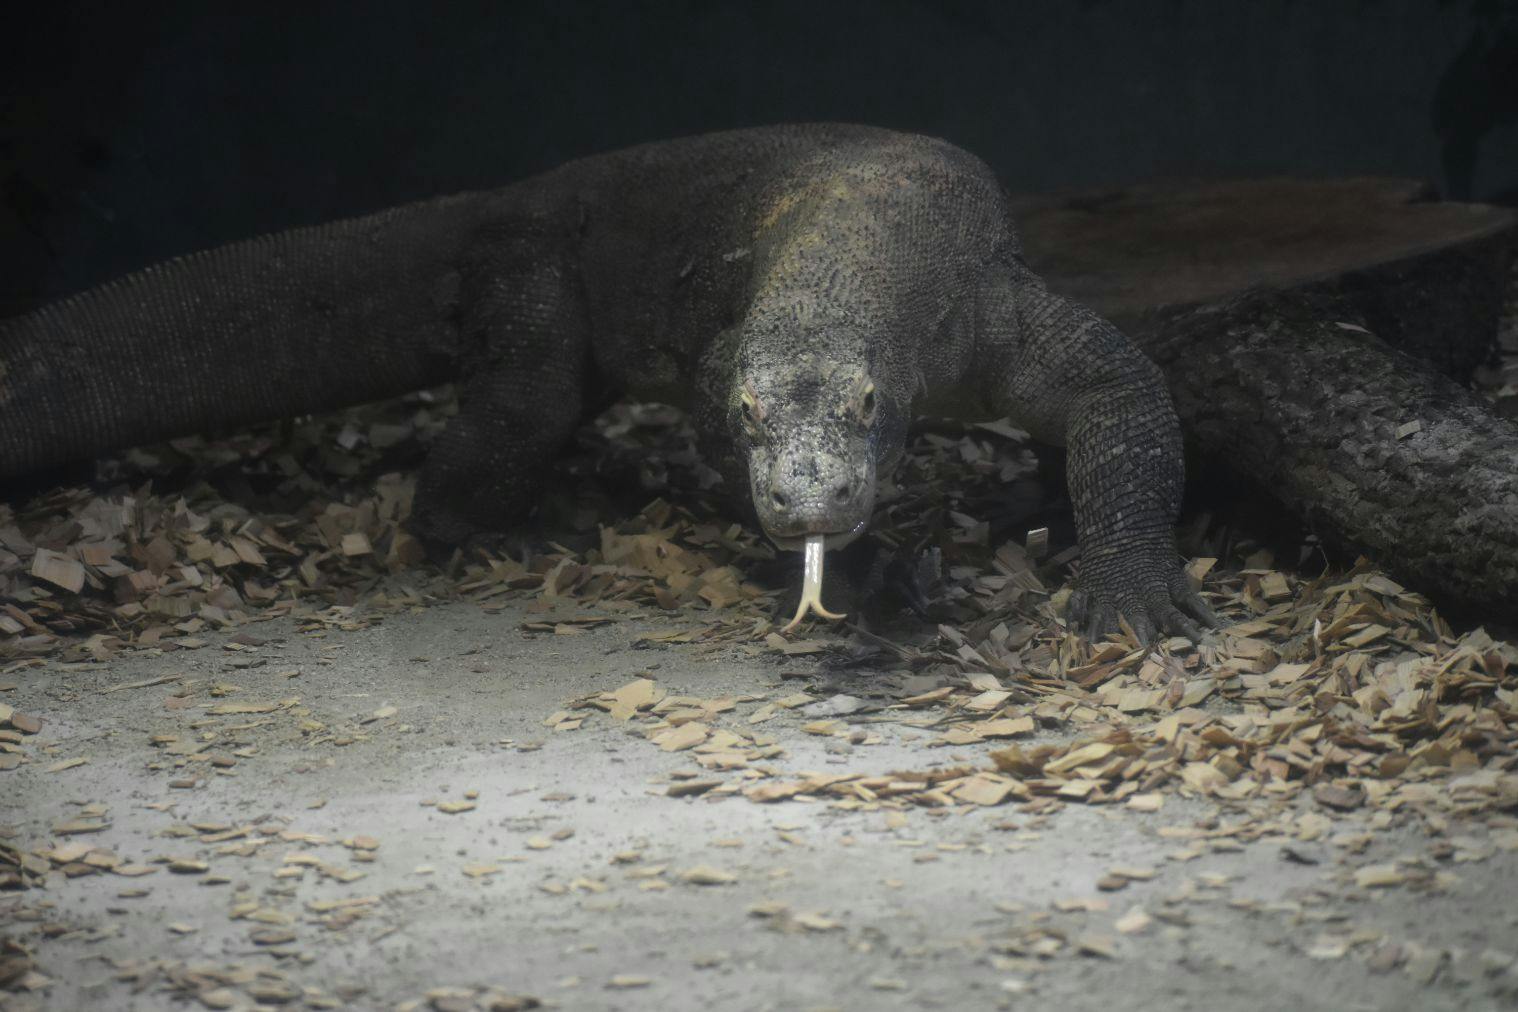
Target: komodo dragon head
(816, 426)
(810, 433)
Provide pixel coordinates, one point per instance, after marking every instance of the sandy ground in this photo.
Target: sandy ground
(569, 831)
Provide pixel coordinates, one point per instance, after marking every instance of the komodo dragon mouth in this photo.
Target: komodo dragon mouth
(834, 539)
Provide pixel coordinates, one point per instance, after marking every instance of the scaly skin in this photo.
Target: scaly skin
(802, 289)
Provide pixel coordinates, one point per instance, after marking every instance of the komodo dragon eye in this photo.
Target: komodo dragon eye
(753, 411)
(867, 403)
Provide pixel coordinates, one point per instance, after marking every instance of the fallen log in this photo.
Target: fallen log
(1316, 337)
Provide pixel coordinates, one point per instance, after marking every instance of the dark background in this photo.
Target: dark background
(132, 132)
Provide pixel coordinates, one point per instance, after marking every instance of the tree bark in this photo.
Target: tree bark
(1373, 450)
(1281, 344)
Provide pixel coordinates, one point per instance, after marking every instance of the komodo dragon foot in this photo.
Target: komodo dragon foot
(1153, 594)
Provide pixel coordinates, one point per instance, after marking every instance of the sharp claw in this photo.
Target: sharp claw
(1178, 623)
(1101, 621)
(1192, 603)
(1199, 610)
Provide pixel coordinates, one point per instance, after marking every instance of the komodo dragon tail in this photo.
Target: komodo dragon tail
(299, 321)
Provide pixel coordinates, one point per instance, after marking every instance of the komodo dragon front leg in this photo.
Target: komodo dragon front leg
(525, 349)
(1072, 379)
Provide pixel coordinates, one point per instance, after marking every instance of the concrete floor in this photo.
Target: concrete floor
(880, 910)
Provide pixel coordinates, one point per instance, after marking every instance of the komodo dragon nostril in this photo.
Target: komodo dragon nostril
(842, 494)
(779, 499)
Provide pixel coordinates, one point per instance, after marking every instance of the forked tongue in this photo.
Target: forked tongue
(811, 583)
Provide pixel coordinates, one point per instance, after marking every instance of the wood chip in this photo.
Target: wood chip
(1366, 636)
(985, 790)
(356, 543)
(471, 870)
(1203, 777)
(26, 723)
(686, 736)
(1273, 587)
(642, 694)
(76, 826)
(627, 981)
(1096, 945)
(58, 569)
(987, 701)
(1007, 727)
(1081, 756)
(1374, 876)
(272, 936)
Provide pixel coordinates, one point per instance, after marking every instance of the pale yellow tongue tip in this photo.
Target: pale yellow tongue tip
(811, 584)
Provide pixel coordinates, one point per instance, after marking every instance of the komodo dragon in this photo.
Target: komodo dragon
(801, 290)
